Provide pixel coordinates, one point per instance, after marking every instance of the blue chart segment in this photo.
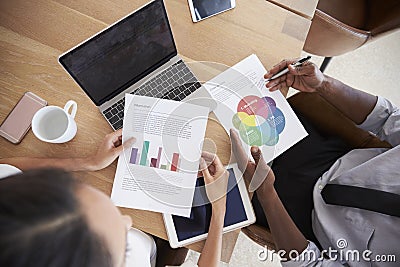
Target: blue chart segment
(259, 121)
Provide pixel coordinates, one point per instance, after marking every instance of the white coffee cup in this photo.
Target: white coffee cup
(53, 124)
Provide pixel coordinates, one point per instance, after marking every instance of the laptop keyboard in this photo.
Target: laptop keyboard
(175, 83)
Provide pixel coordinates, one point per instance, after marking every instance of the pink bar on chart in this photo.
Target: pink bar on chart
(159, 157)
(153, 162)
(175, 159)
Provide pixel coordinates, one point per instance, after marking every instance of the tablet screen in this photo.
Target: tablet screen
(206, 8)
(200, 216)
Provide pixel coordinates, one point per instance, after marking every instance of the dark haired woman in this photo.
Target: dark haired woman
(47, 218)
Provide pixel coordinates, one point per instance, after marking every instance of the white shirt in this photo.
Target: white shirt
(8, 170)
(142, 250)
(144, 254)
(348, 229)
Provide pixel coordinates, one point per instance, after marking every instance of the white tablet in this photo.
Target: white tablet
(202, 9)
(239, 212)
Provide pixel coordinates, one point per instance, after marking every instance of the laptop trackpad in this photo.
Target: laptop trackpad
(202, 98)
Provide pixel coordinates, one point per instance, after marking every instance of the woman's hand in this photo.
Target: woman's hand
(108, 151)
(216, 181)
(305, 78)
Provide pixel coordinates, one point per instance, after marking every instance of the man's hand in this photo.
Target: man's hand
(258, 174)
(216, 181)
(285, 234)
(108, 151)
(305, 78)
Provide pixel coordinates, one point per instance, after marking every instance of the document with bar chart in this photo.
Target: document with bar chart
(158, 171)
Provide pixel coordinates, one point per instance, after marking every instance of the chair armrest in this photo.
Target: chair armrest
(260, 235)
(329, 37)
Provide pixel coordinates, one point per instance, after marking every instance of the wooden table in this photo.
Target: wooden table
(34, 33)
(305, 8)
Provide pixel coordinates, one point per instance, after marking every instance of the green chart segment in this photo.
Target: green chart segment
(145, 151)
(142, 158)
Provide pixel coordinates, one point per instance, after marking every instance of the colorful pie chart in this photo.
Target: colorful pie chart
(259, 121)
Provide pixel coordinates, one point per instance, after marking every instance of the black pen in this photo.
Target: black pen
(284, 71)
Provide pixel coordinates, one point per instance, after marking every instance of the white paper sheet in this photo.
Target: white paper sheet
(159, 171)
(262, 118)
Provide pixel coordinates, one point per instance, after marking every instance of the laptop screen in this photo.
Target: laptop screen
(124, 53)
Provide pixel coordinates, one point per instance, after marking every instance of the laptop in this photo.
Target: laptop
(136, 55)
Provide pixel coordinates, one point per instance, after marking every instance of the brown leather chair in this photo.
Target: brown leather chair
(341, 26)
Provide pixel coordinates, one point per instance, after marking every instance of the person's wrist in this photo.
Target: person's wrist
(325, 84)
(90, 164)
(218, 212)
(266, 188)
(268, 194)
(219, 207)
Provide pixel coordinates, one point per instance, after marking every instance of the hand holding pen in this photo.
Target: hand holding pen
(302, 75)
(286, 70)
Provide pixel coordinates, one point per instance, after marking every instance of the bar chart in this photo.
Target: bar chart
(142, 157)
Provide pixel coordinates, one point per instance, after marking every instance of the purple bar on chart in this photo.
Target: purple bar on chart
(159, 157)
(153, 162)
(133, 155)
(175, 159)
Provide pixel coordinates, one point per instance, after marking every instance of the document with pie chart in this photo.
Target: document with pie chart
(262, 118)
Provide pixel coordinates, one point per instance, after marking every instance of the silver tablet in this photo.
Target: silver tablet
(239, 212)
(202, 9)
